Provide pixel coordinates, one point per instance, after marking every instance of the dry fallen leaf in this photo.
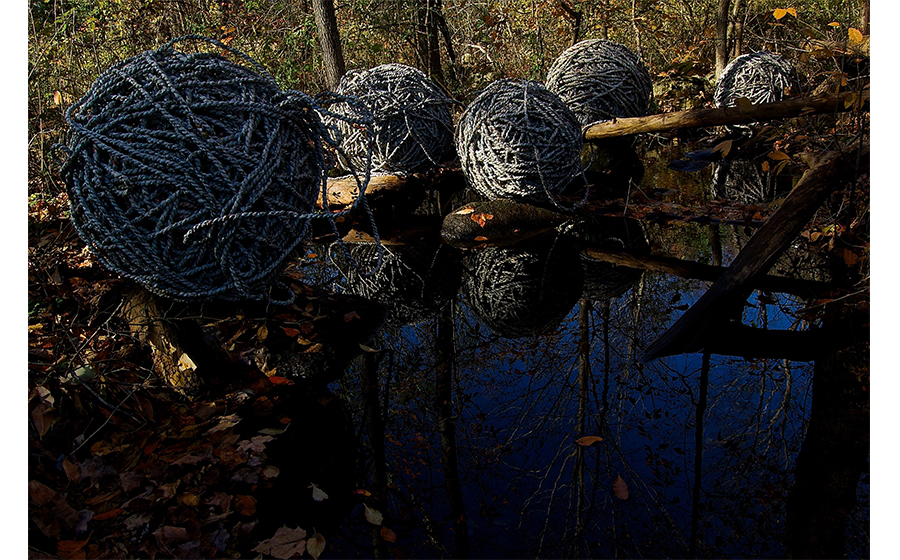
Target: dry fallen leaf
(317, 493)
(388, 535)
(620, 488)
(285, 543)
(373, 516)
(315, 545)
(588, 441)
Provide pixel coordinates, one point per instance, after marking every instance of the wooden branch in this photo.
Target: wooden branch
(171, 361)
(690, 331)
(728, 115)
(734, 339)
(699, 271)
(342, 192)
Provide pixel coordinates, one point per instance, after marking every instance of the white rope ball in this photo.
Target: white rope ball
(413, 128)
(761, 77)
(601, 80)
(518, 140)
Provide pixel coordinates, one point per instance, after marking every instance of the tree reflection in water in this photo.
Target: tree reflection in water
(471, 437)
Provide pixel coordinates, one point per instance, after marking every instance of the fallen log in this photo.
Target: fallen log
(719, 116)
(344, 191)
(698, 271)
(728, 294)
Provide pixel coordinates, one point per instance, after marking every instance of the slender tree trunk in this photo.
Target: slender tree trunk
(428, 30)
(329, 41)
(637, 31)
(575, 16)
(604, 27)
(864, 16)
(736, 33)
(722, 36)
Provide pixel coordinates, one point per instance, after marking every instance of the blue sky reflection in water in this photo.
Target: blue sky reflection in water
(519, 405)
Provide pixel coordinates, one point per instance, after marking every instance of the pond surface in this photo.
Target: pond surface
(503, 409)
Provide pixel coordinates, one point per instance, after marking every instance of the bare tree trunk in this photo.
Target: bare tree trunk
(329, 41)
(575, 16)
(428, 29)
(722, 36)
(736, 29)
(604, 27)
(864, 16)
(637, 31)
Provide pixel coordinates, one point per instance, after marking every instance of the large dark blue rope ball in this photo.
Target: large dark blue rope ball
(194, 175)
(412, 129)
(600, 80)
(761, 77)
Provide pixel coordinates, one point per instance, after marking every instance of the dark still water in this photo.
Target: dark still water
(504, 410)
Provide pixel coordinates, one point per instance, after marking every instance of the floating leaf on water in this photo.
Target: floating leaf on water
(723, 147)
(388, 535)
(620, 488)
(373, 516)
(350, 316)
(317, 493)
(587, 441)
(271, 471)
(365, 348)
(315, 545)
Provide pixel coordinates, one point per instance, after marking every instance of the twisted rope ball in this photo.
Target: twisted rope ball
(526, 290)
(600, 80)
(193, 175)
(413, 127)
(761, 77)
(518, 140)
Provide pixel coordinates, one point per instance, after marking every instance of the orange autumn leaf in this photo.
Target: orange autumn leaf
(480, 218)
(107, 514)
(588, 441)
(620, 488)
(779, 13)
(855, 35)
(70, 546)
(388, 535)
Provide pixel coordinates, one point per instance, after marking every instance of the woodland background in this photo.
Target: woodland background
(463, 44)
